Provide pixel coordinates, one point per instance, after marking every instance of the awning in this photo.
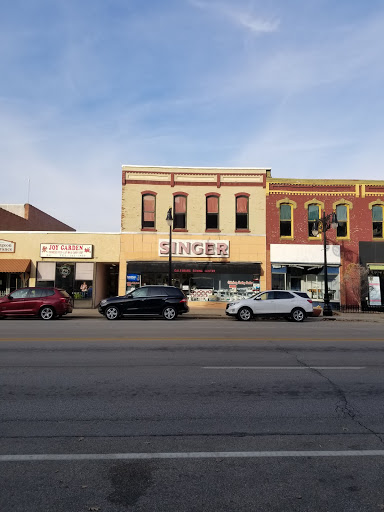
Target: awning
(376, 267)
(19, 266)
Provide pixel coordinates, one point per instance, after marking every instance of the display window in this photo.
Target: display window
(200, 281)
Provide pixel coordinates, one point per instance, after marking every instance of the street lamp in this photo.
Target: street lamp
(169, 220)
(322, 225)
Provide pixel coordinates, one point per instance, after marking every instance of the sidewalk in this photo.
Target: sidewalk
(206, 310)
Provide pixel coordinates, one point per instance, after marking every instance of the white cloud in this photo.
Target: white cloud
(239, 16)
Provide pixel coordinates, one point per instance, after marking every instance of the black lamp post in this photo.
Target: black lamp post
(322, 225)
(169, 220)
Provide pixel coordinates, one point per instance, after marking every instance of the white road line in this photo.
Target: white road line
(283, 367)
(187, 455)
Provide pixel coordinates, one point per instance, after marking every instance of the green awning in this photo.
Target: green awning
(376, 267)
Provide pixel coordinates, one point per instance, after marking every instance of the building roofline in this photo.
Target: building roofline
(195, 167)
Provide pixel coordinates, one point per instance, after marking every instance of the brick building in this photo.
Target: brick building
(218, 232)
(295, 257)
(25, 217)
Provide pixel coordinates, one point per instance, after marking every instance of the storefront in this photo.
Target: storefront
(86, 265)
(372, 258)
(200, 281)
(301, 268)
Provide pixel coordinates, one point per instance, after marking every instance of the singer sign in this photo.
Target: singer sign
(195, 248)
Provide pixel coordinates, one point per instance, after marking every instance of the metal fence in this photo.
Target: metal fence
(363, 308)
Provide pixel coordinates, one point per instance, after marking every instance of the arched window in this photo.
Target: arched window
(180, 212)
(241, 212)
(148, 211)
(212, 212)
(313, 215)
(377, 221)
(286, 218)
(342, 213)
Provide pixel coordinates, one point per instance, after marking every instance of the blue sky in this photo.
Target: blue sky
(89, 85)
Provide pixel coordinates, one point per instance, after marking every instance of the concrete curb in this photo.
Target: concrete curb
(346, 317)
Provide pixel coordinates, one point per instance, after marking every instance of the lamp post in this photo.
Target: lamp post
(169, 220)
(322, 225)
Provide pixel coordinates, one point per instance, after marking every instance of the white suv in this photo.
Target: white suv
(288, 304)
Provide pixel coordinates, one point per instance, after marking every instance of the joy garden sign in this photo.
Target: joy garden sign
(66, 251)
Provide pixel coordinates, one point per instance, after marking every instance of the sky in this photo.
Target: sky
(90, 85)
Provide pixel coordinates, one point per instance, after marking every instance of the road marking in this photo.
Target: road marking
(187, 455)
(239, 339)
(283, 367)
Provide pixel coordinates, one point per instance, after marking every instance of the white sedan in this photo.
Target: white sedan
(289, 304)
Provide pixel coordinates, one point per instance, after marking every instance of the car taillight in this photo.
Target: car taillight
(63, 299)
(309, 300)
(183, 300)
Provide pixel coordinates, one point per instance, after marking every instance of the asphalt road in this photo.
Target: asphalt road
(201, 415)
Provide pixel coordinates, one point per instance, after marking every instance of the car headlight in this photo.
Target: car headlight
(103, 302)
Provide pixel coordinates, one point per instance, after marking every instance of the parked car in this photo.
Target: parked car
(276, 303)
(167, 301)
(47, 303)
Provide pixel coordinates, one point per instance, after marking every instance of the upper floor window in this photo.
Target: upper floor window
(342, 220)
(313, 215)
(179, 212)
(241, 212)
(212, 215)
(286, 220)
(148, 211)
(377, 221)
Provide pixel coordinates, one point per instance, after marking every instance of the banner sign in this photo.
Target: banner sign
(195, 248)
(7, 246)
(374, 291)
(66, 251)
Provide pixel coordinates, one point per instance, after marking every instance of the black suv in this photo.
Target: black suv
(147, 300)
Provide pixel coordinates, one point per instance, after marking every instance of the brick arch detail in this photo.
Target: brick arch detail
(149, 193)
(314, 201)
(378, 202)
(286, 201)
(342, 201)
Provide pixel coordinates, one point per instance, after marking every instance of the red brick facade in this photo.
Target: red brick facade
(359, 196)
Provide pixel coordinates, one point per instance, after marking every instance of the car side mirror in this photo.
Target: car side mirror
(10, 297)
(257, 298)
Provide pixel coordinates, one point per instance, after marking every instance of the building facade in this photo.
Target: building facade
(218, 230)
(295, 256)
(86, 265)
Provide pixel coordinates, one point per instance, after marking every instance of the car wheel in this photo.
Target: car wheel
(47, 313)
(112, 313)
(244, 314)
(298, 314)
(169, 313)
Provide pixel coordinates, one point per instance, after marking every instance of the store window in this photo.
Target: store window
(212, 212)
(286, 220)
(180, 212)
(148, 211)
(342, 220)
(75, 278)
(377, 221)
(313, 216)
(241, 212)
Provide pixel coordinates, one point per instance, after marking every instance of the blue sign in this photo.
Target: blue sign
(133, 278)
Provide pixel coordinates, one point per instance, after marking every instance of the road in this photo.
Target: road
(198, 415)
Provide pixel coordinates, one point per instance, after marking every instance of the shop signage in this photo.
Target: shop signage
(65, 251)
(133, 278)
(374, 291)
(195, 248)
(7, 246)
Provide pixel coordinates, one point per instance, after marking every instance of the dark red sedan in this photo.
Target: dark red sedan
(47, 303)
